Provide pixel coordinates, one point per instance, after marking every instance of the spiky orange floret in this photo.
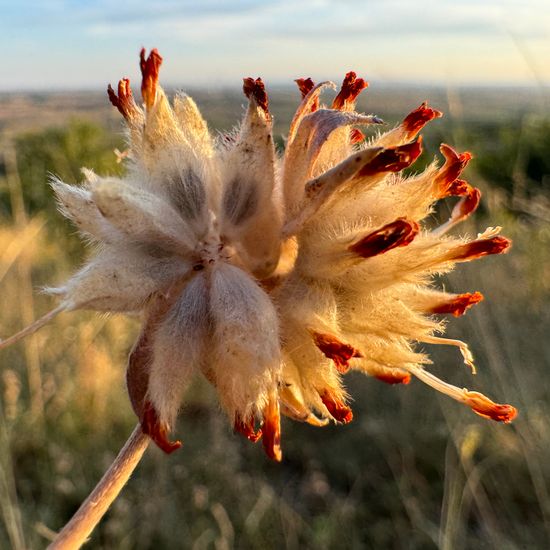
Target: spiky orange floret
(417, 119)
(396, 377)
(469, 203)
(482, 247)
(271, 430)
(336, 350)
(247, 428)
(356, 136)
(149, 75)
(483, 406)
(256, 89)
(305, 85)
(459, 304)
(393, 159)
(124, 101)
(401, 232)
(337, 408)
(351, 88)
(157, 430)
(459, 188)
(447, 177)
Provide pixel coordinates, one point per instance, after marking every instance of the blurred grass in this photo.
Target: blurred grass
(414, 470)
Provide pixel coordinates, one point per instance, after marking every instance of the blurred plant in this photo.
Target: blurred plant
(61, 151)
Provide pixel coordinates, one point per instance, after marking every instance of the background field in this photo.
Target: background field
(412, 470)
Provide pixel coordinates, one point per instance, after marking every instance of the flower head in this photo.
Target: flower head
(271, 275)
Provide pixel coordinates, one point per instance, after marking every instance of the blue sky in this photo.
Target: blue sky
(57, 44)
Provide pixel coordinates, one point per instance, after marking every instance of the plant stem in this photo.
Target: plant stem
(76, 532)
(33, 327)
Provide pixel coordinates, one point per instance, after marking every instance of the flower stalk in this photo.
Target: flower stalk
(77, 530)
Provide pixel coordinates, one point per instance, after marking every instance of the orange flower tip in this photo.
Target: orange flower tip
(149, 75)
(417, 119)
(447, 179)
(337, 408)
(401, 232)
(351, 88)
(459, 188)
(356, 136)
(458, 305)
(469, 203)
(336, 350)
(483, 406)
(255, 89)
(247, 428)
(305, 85)
(393, 159)
(451, 155)
(157, 430)
(271, 431)
(124, 100)
(483, 247)
(394, 378)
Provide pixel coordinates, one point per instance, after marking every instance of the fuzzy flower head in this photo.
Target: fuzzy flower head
(273, 275)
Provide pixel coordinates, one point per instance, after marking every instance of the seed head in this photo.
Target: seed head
(272, 275)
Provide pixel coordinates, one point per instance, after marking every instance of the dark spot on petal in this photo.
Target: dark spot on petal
(240, 200)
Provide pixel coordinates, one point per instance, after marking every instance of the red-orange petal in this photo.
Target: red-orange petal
(271, 430)
(393, 159)
(356, 136)
(256, 89)
(455, 163)
(401, 232)
(124, 100)
(459, 188)
(247, 428)
(149, 75)
(157, 430)
(336, 350)
(417, 119)
(483, 406)
(483, 247)
(337, 408)
(458, 305)
(396, 377)
(351, 88)
(468, 204)
(305, 85)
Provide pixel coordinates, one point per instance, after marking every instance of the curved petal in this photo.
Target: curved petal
(143, 217)
(250, 214)
(119, 279)
(246, 363)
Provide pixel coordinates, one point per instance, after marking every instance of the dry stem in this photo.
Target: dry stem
(26, 301)
(32, 328)
(75, 533)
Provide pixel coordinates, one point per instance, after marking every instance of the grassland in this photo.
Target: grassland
(412, 471)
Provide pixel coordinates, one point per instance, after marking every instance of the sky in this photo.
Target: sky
(84, 44)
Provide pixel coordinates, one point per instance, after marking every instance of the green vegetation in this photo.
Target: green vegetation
(413, 470)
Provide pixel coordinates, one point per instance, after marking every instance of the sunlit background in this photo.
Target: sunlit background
(413, 470)
(83, 44)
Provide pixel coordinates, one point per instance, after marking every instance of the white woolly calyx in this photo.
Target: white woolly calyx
(272, 276)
